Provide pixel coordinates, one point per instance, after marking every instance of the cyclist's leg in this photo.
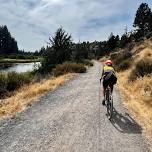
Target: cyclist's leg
(111, 87)
(113, 80)
(111, 83)
(104, 89)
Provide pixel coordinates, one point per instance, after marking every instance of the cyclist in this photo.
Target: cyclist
(109, 77)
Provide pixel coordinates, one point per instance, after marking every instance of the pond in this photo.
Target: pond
(20, 67)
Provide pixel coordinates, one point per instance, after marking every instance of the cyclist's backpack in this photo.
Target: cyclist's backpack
(114, 78)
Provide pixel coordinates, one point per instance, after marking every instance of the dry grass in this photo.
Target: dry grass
(138, 93)
(28, 94)
(146, 53)
(138, 97)
(143, 50)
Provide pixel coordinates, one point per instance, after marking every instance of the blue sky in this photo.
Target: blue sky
(31, 22)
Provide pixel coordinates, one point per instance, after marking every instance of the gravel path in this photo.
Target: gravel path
(72, 119)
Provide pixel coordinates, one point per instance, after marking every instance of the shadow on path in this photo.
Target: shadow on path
(124, 123)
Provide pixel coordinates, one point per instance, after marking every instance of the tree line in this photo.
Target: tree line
(61, 48)
(143, 28)
(8, 44)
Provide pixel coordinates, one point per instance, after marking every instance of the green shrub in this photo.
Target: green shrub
(142, 68)
(12, 56)
(68, 68)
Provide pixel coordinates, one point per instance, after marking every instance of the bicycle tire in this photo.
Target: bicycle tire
(109, 104)
(111, 108)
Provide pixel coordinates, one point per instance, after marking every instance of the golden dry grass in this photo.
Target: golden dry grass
(138, 98)
(143, 50)
(28, 94)
(138, 94)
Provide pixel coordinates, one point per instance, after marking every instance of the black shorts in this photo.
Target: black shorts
(111, 81)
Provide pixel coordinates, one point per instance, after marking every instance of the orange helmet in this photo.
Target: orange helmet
(108, 62)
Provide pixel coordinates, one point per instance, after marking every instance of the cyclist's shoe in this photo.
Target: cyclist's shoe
(103, 102)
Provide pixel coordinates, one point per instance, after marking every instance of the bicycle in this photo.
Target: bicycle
(109, 101)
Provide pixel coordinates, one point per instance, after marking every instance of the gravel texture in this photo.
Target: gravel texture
(72, 119)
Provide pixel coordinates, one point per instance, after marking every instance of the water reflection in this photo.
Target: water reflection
(21, 67)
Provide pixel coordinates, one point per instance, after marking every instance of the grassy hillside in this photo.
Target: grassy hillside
(135, 80)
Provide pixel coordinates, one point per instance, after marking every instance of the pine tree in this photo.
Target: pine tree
(117, 41)
(143, 19)
(42, 50)
(61, 45)
(8, 44)
(1, 40)
(112, 42)
(59, 50)
(14, 47)
(124, 40)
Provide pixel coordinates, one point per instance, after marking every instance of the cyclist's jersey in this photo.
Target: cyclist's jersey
(107, 68)
(107, 72)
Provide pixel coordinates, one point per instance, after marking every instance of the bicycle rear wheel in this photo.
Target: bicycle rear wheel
(110, 105)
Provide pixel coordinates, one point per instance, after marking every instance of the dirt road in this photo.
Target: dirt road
(72, 119)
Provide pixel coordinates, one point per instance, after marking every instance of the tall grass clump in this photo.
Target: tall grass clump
(122, 61)
(68, 68)
(15, 80)
(124, 65)
(142, 68)
(12, 81)
(114, 56)
(3, 84)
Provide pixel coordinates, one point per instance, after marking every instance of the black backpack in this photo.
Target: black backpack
(114, 78)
